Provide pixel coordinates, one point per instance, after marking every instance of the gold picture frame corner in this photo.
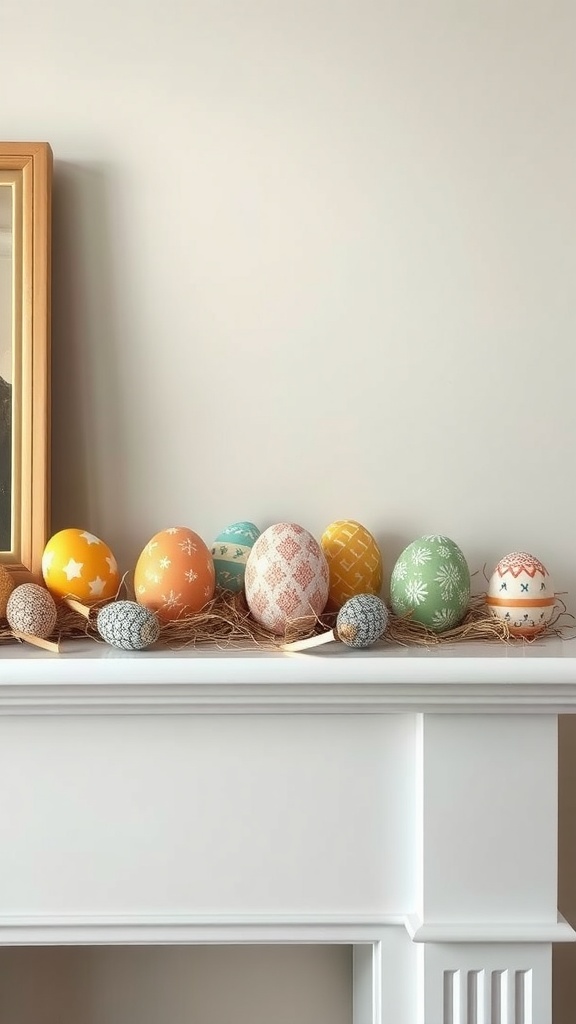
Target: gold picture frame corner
(26, 170)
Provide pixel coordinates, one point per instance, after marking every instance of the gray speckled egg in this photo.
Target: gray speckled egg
(128, 625)
(362, 620)
(31, 609)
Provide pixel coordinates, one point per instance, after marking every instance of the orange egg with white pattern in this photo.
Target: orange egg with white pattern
(174, 575)
(77, 564)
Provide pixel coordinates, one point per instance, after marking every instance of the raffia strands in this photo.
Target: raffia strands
(226, 622)
(478, 626)
(68, 625)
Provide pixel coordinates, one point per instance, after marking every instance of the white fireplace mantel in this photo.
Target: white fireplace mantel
(403, 801)
(88, 677)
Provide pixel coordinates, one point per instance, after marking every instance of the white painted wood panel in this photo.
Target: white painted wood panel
(210, 815)
(488, 841)
(405, 808)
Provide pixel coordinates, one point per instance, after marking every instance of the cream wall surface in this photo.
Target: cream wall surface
(311, 260)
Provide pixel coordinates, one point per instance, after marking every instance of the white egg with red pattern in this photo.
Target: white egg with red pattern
(286, 577)
(521, 593)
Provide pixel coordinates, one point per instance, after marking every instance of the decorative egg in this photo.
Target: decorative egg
(7, 585)
(354, 561)
(362, 620)
(31, 609)
(128, 625)
(521, 593)
(175, 575)
(431, 583)
(77, 564)
(286, 577)
(230, 553)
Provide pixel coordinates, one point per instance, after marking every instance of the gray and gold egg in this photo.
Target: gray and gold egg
(31, 609)
(362, 620)
(127, 625)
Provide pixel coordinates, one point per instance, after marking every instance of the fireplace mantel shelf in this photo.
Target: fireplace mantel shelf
(402, 800)
(88, 677)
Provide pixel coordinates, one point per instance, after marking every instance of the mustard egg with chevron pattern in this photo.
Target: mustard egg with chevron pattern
(354, 561)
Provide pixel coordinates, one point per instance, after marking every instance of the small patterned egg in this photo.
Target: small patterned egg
(230, 553)
(7, 585)
(77, 564)
(431, 583)
(31, 609)
(521, 593)
(175, 575)
(128, 625)
(354, 561)
(362, 620)
(286, 577)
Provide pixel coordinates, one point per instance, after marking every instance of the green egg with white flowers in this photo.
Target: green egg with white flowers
(430, 583)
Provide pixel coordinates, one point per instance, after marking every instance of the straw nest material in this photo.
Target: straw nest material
(478, 626)
(226, 622)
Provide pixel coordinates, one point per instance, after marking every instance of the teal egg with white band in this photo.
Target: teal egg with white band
(230, 553)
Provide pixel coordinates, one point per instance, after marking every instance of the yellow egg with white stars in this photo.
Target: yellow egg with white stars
(78, 564)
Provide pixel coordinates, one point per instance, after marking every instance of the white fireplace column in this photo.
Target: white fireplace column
(402, 803)
(486, 910)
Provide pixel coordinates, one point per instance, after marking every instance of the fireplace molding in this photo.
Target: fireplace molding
(89, 678)
(205, 929)
(404, 804)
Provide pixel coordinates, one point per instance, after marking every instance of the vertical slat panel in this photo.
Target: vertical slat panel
(523, 987)
(511, 1017)
(475, 1010)
(452, 998)
(499, 997)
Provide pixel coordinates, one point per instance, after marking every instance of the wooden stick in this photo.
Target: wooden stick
(311, 641)
(37, 641)
(77, 606)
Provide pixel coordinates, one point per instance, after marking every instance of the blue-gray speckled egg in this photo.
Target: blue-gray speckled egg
(362, 620)
(128, 625)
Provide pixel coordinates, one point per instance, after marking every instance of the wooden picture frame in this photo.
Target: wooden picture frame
(25, 259)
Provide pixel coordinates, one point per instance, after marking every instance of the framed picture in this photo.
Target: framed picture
(25, 244)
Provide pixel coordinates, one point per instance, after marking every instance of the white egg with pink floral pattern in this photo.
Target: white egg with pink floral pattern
(286, 578)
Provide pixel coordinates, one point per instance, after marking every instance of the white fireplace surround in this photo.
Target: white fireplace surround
(402, 801)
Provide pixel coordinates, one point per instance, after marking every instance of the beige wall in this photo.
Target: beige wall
(310, 240)
(176, 985)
